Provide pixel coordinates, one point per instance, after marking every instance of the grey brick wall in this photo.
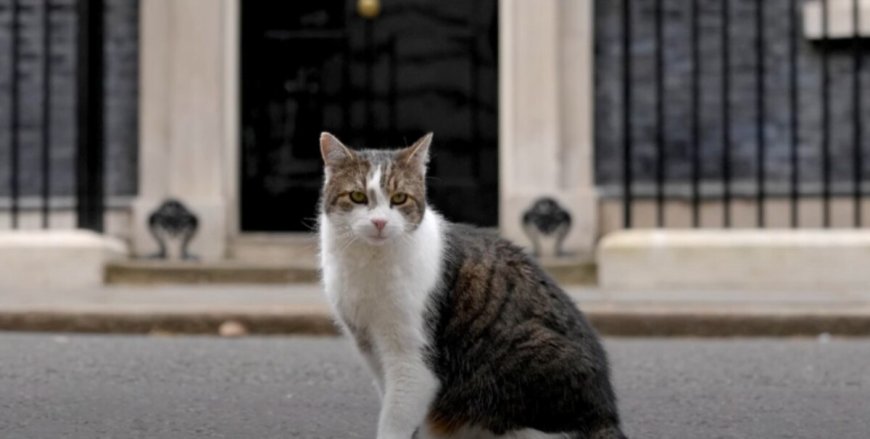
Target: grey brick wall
(609, 105)
(121, 95)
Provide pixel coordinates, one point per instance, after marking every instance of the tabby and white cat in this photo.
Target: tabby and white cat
(464, 333)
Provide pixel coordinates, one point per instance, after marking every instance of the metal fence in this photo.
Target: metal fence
(849, 45)
(89, 114)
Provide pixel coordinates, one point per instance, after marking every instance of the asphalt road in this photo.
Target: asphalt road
(65, 386)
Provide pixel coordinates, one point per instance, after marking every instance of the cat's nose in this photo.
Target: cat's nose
(379, 223)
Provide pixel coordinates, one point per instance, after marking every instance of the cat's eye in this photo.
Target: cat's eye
(398, 199)
(358, 197)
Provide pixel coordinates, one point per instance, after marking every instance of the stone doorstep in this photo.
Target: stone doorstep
(55, 259)
(765, 261)
(151, 272)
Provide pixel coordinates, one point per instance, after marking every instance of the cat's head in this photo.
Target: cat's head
(376, 196)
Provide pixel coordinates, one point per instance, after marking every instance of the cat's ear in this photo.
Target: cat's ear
(333, 151)
(418, 153)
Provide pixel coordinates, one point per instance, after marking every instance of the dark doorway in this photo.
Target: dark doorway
(418, 66)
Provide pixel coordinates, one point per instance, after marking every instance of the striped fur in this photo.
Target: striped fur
(465, 335)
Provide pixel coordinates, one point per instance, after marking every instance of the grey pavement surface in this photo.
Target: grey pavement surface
(69, 386)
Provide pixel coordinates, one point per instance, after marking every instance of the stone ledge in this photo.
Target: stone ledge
(840, 24)
(284, 322)
(318, 321)
(150, 272)
(55, 259)
(735, 259)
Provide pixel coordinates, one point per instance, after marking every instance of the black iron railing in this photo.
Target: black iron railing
(696, 20)
(89, 118)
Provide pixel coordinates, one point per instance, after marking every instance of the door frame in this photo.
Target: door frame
(558, 36)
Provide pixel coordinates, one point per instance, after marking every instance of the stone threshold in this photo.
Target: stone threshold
(626, 321)
(766, 261)
(154, 272)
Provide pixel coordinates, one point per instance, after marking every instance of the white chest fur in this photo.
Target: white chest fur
(383, 290)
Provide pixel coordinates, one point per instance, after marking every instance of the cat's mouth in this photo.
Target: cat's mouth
(377, 240)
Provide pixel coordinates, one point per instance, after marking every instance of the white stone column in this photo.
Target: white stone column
(187, 64)
(546, 120)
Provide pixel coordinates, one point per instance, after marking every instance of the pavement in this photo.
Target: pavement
(301, 309)
(84, 386)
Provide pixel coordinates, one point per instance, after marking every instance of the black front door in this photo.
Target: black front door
(417, 66)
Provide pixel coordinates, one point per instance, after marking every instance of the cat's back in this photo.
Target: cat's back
(488, 274)
(490, 287)
(499, 318)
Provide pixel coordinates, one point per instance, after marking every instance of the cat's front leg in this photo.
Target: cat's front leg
(377, 372)
(409, 390)
(366, 349)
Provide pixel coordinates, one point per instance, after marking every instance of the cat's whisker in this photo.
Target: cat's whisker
(405, 238)
(310, 223)
(348, 244)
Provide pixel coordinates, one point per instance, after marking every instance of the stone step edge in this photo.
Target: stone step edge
(318, 322)
(151, 273)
